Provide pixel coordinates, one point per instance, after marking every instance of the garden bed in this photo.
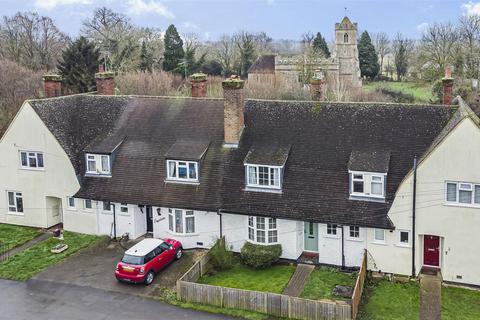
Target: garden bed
(13, 236)
(323, 280)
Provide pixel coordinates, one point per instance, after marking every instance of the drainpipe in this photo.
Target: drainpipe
(114, 221)
(414, 200)
(343, 248)
(221, 223)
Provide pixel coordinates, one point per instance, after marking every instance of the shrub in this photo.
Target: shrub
(220, 258)
(260, 256)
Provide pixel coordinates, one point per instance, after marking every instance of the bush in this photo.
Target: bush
(260, 256)
(220, 258)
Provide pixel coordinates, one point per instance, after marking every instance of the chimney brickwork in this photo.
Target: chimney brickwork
(317, 89)
(199, 85)
(52, 85)
(105, 83)
(447, 83)
(234, 99)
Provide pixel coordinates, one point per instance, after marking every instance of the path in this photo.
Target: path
(430, 295)
(26, 245)
(297, 282)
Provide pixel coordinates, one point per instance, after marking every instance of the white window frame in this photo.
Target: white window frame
(329, 227)
(69, 206)
(349, 236)
(175, 177)
(403, 244)
(109, 207)
(270, 230)
(367, 178)
(99, 168)
(16, 196)
(461, 186)
(122, 207)
(35, 155)
(379, 241)
(271, 176)
(85, 204)
(185, 215)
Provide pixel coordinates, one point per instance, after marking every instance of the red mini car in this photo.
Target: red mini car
(145, 259)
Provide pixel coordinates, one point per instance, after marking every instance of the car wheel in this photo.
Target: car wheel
(178, 254)
(149, 277)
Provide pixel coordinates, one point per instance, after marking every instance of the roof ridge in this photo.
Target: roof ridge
(352, 103)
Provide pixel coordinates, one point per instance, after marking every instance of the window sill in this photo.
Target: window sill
(330, 236)
(354, 239)
(403, 245)
(19, 214)
(366, 198)
(262, 243)
(72, 209)
(462, 205)
(380, 243)
(259, 189)
(32, 169)
(183, 234)
(99, 175)
(194, 183)
(125, 214)
(106, 212)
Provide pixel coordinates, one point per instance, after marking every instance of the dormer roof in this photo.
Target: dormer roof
(191, 149)
(369, 161)
(271, 154)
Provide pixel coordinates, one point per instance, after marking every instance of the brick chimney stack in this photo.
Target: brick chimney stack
(318, 86)
(52, 84)
(199, 85)
(105, 81)
(233, 110)
(447, 83)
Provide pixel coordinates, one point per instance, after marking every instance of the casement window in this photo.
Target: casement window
(123, 208)
(463, 193)
(262, 230)
(182, 170)
(87, 203)
(354, 232)
(403, 238)
(332, 229)
(366, 184)
(31, 160)
(263, 176)
(181, 221)
(71, 203)
(107, 206)
(98, 164)
(15, 202)
(379, 235)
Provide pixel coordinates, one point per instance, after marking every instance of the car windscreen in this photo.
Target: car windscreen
(132, 259)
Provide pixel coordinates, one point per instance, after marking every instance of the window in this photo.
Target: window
(88, 204)
(345, 38)
(182, 170)
(263, 176)
(379, 235)
(107, 206)
(354, 232)
(262, 230)
(98, 164)
(404, 237)
(332, 229)
(31, 159)
(123, 208)
(367, 185)
(15, 201)
(181, 221)
(463, 193)
(71, 202)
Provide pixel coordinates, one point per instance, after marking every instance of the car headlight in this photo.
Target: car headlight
(142, 270)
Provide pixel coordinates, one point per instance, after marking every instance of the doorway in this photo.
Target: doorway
(149, 216)
(431, 251)
(311, 236)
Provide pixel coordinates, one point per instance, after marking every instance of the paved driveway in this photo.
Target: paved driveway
(45, 300)
(95, 266)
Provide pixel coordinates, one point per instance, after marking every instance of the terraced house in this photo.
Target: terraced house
(325, 180)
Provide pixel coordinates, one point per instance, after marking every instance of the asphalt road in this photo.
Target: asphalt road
(46, 300)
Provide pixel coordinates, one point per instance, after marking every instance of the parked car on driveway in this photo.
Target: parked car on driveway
(144, 260)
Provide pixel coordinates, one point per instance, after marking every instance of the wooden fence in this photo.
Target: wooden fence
(357, 291)
(4, 249)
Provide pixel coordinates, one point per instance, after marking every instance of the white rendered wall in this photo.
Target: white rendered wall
(330, 247)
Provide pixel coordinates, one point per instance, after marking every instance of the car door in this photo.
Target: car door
(151, 262)
(165, 255)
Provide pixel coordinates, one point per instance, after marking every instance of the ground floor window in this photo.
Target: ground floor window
(354, 232)
(379, 235)
(181, 221)
(88, 204)
(15, 201)
(123, 208)
(262, 230)
(107, 206)
(404, 238)
(332, 229)
(71, 202)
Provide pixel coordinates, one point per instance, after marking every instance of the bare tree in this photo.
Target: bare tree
(402, 50)
(225, 54)
(382, 46)
(470, 34)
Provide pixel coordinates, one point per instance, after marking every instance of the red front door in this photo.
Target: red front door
(431, 251)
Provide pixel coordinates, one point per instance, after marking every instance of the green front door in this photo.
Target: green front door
(311, 236)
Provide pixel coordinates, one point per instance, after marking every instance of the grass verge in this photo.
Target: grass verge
(422, 93)
(33, 260)
(14, 236)
(273, 279)
(322, 281)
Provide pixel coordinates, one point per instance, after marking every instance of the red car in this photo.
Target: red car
(145, 259)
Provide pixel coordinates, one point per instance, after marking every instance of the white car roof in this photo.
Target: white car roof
(144, 247)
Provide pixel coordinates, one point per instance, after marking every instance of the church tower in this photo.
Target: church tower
(347, 52)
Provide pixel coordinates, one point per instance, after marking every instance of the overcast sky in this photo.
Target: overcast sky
(281, 19)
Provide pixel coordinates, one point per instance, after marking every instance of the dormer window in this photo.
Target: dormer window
(367, 184)
(182, 170)
(98, 164)
(263, 176)
(183, 160)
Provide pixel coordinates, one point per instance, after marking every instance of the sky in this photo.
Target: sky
(280, 19)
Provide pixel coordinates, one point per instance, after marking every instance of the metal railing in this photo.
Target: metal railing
(4, 249)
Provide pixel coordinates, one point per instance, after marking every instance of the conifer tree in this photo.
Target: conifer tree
(79, 63)
(367, 56)
(146, 60)
(174, 52)
(320, 45)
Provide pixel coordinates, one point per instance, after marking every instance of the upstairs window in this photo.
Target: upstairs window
(98, 164)
(366, 184)
(263, 176)
(15, 202)
(262, 230)
(31, 160)
(463, 193)
(182, 170)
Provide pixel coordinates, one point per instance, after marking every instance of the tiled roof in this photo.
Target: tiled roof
(263, 64)
(369, 161)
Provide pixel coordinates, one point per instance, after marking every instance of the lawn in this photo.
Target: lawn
(322, 281)
(422, 93)
(273, 279)
(31, 261)
(396, 301)
(14, 236)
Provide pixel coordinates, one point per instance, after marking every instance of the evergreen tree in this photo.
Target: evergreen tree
(174, 53)
(320, 45)
(367, 56)
(146, 60)
(79, 63)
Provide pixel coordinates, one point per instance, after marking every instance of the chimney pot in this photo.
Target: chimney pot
(101, 68)
(317, 89)
(105, 83)
(447, 85)
(233, 110)
(199, 85)
(52, 84)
